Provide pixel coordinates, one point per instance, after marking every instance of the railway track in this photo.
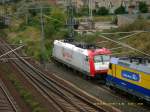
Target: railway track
(7, 103)
(63, 97)
(118, 99)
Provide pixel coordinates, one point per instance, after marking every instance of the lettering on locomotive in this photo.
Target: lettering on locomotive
(130, 75)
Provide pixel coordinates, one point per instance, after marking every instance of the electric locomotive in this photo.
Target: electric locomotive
(130, 74)
(82, 57)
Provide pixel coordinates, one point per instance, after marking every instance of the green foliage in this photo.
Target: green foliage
(2, 34)
(37, 10)
(22, 27)
(87, 38)
(115, 20)
(34, 22)
(143, 7)
(55, 22)
(84, 11)
(102, 11)
(16, 1)
(2, 23)
(103, 18)
(8, 1)
(120, 10)
(30, 34)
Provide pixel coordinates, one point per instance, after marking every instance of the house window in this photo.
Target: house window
(96, 4)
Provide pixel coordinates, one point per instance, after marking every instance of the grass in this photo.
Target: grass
(103, 18)
(26, 34)
(30, 34)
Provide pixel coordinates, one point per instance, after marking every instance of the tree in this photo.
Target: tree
(84, 11)
(143, 7)
(120, 10)
(102, 11)
(55, 22)
(2, 23)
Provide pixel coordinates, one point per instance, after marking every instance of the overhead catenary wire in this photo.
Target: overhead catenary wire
(129, 36)
(121, 53)
(135, 31)
(102, 42)
(125, 45)
(51, 18)
(116, 48)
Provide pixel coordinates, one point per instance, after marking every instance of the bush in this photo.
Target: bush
(55, 23)
(35, 10)
(102, 11)
(120, 10)
(115, 20)
(143, 7)
(2, 23)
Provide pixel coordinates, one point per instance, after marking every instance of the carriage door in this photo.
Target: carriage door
(86, 64)
(112, 67)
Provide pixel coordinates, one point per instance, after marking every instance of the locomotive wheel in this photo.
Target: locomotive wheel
(86, 77)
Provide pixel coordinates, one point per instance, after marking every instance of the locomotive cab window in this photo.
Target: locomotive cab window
(101, 58)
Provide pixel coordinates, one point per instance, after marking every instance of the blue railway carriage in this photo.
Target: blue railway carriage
(131, 75)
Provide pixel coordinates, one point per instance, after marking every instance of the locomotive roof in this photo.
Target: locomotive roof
(83, 48)
(69, 45)
(138, 63)
(82, 45)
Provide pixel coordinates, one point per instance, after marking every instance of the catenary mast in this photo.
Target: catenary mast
(70, 20)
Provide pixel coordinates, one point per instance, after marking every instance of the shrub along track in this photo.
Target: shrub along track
(62, 96)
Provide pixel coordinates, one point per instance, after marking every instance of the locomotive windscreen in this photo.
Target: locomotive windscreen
(101, 58)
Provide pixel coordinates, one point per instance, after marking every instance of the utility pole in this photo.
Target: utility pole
(70, 21)
(27, 16)
(3, 12)
(42, 37)
(90, 14)
(90, 9)
(3, 8)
